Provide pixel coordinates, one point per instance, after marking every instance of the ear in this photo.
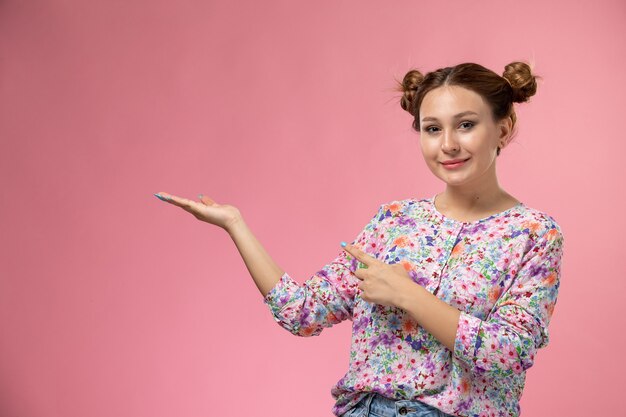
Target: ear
(505, 126)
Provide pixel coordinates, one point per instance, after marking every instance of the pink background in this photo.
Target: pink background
(113, 303)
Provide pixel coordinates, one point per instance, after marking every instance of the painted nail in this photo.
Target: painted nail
(160, 197)
(200, 196)
(343, 244)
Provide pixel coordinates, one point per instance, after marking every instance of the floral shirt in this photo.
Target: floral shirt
(502, 272)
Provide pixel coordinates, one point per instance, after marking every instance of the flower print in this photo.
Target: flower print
(517, 367)
(387, 380)
(532, 225)
(375, 380)
(394, 207)
(402, 241)
(464, 386)
(393, 322)
(375, 361)
(372, 342)
(494, 293)
(368, 379)
(406, 265)
(320, 312)
(502, 273)
(476, 228)
(419, 277)
(304, 315)
(503, 262)
(405, 375)
(399, 347)
(409, 324)
(361, 322)
(552, 234)
(509, 353)
(307, 330)
(399, 254)
(458, 249)
(491, 348)
(397, 365)
(550, 279)
(535, 270)
(415, 343)
(387, 339)
(406, 221)
(428, 365)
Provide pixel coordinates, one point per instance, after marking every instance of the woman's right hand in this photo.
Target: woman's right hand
(207, 210)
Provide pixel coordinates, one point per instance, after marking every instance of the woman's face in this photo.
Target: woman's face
(447, 133)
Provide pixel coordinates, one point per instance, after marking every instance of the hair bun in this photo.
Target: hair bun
(408, 87)
(522, 80)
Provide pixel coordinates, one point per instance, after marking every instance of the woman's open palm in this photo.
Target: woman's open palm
(207, 210)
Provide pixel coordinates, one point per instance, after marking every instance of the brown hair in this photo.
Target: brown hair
(516, 85)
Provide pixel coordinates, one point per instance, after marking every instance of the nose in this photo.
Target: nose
(449, 142)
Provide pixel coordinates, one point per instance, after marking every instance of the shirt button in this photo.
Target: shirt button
(402, 410)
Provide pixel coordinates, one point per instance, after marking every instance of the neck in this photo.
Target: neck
(468, 198)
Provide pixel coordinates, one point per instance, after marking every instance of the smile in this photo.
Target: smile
(454, 165)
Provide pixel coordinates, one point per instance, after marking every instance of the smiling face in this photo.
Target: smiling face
(456, 123)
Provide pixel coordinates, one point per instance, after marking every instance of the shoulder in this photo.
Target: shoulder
(400, 207)
(392, 209)
(402, 211)
(540, 225)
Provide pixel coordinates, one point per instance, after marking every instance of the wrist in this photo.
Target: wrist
(408, 297)
(234, 225)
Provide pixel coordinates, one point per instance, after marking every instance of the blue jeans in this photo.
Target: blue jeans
(375, 405)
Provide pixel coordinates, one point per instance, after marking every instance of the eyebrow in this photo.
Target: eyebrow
(456, 116)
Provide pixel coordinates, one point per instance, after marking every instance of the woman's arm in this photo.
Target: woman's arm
(328, 296)
(506, 342)
(323, 300)
(392, 285)
(433, 314)
(264, 271)
(261, 266)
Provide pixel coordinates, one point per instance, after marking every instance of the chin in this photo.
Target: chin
(454, 180)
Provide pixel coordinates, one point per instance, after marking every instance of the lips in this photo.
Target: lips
(454, 161)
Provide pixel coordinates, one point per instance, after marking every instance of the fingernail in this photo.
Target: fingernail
(160, 197)
(200, 196)
(343, 244)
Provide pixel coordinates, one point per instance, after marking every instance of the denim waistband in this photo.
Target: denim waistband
(377, 405)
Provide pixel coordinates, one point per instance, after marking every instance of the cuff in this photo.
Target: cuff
(467, 338)
(281, 293)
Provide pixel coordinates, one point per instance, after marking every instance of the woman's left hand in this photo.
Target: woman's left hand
(381, 283)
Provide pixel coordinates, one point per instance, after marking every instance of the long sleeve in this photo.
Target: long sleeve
(326, 298)
(506, 342)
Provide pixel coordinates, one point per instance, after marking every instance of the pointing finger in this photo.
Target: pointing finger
(360, 255)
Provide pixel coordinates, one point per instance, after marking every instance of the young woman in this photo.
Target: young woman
(450, 296)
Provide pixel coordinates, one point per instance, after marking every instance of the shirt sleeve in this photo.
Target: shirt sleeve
(506, 342)
(326, 298)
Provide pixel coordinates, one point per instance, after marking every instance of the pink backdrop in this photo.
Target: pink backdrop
(113, 303)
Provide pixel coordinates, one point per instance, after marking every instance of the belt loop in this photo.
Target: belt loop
(368, 403)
